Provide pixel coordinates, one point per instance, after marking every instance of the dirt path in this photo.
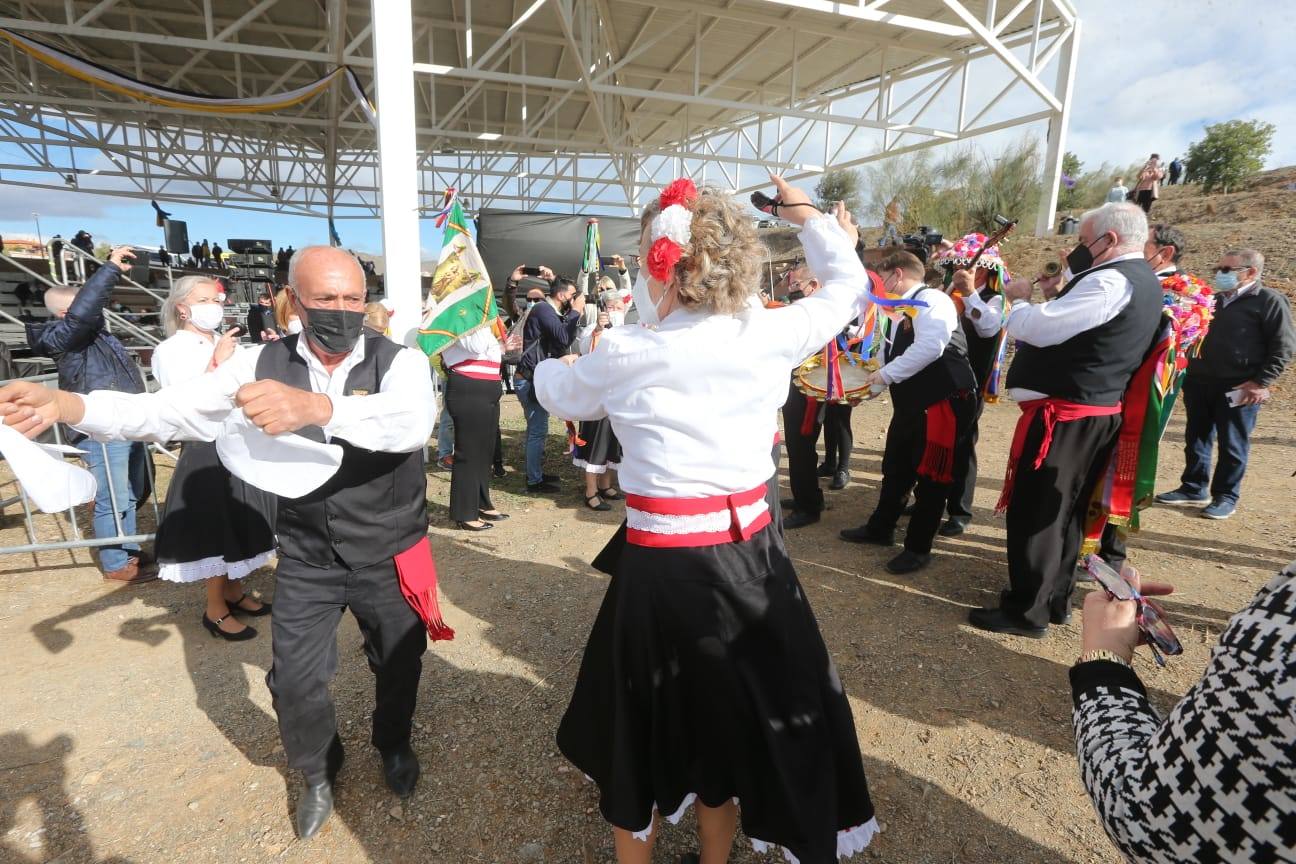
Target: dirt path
(128, 734)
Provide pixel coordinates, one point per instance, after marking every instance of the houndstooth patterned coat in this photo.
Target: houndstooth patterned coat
(1215, 781)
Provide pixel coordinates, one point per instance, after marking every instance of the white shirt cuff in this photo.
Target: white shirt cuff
(98, 416)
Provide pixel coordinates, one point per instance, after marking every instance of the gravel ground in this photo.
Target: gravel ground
(128, 734)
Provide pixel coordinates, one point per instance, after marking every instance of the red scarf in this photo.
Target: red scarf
(1055, 411)
(937, 463)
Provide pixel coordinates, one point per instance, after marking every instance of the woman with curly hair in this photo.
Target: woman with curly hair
(705, 679)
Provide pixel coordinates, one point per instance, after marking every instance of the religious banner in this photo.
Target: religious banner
(461, 300)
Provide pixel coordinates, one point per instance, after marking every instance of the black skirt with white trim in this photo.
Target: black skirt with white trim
(601, 450)
(706, 678)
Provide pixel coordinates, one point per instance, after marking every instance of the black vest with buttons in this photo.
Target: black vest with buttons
(375, 505)
(1094, 367)
(940, 379)
(981, 349)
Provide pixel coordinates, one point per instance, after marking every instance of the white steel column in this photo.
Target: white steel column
(1058, 123)
(393, 37)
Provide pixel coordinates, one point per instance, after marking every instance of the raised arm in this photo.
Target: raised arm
(84, 318)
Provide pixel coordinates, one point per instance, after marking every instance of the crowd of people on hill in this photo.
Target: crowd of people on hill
(705, 681)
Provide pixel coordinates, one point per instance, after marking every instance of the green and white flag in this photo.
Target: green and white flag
(461, 300)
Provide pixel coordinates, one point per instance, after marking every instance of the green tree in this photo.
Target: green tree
(839, 184)
(102, 251)
(1229, 154)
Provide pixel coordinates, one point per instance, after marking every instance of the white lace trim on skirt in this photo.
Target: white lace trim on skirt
(596, 469)
(206, 568)
(849, 842)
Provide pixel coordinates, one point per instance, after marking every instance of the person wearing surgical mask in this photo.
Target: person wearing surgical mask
(1249, 344)
(214, 527)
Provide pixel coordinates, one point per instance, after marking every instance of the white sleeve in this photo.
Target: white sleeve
(398, 418)
(624, 277)
(799, 330)
(574, 392)
(193, 410)
(933, 325)
(585, 338)
(1091, 302)
(991, 319)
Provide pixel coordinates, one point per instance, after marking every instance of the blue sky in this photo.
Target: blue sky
(1152, 73)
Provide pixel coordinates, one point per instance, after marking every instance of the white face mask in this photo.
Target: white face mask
(616, 319)
(206, 316)
(649, 312)
(294, 326)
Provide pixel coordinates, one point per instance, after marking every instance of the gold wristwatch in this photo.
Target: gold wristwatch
(1103, 654)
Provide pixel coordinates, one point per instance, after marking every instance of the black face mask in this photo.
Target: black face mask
(1080, 259)
(333, 331)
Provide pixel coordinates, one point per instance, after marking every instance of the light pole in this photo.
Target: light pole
(39, 238)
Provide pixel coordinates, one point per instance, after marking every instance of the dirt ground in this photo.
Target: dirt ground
(127, 734)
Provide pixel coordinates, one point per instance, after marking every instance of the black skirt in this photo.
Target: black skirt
(601, 450)
(213, 524)
(705, 678)
(473, 404)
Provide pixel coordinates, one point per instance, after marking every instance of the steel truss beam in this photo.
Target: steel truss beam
(590, 121)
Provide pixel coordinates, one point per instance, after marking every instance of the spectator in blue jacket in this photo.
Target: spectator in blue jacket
(88, 358)
(549, 332)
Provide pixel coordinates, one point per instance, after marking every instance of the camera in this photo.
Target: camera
(922, 241)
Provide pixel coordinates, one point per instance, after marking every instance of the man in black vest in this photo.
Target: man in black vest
(982, 325)
(373, 399)
(1075, 356)
(926, 367)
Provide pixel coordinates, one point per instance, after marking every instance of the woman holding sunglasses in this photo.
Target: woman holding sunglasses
(1215, 780)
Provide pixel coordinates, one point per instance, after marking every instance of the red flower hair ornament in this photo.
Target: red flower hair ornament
(671, 229)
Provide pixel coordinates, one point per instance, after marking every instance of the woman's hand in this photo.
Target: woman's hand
(120, 256)
(846, 222)
(1111, 624)
(604, 320)
(225, 346)
(789, 196)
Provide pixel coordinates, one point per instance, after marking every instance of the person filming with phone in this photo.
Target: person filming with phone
(549, 331)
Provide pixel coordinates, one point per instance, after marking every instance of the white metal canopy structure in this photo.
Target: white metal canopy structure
(572, 105)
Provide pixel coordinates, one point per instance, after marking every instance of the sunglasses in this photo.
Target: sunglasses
(1231, 269)
(1150, 617)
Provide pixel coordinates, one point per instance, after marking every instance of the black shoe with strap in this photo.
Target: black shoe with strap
(237, 606)
(596, 502)
(214, 628)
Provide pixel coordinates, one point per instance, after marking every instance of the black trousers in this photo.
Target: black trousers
(474, 406)
(309, 602)
(839, 441)
(1113, 549)
(803, 467)
(963, 488)
(1144, 199)
(905, 442)
(1047, 512)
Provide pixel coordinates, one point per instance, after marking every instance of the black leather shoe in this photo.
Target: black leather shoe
(826, 470)
(542, 486)
(1060, 620)
(549, 478)
(499, 470)
(401, 768)
(468, 526)
(800, 519)
(788, 504)
(314, 808)
(907, 562)
(952, 528)
(998, 621)
(839, 481)
(492, 517)
(862, 534)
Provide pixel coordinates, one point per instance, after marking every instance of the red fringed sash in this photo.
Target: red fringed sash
(1055, 411)
(937, 463)
(418, 582)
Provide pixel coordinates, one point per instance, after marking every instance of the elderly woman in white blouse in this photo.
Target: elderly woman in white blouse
(215, 527)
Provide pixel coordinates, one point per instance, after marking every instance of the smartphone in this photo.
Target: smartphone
(761, 201)
(530, 271)
(606, 261)
(1234, 397)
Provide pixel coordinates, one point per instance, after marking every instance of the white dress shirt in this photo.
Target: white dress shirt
(933, 325)
(397, 419)
(991, 318)
(1098, 297)
(182, 357)
(694, 402)
(478, 345)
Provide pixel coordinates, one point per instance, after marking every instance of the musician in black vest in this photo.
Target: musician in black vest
(1075, 356)
(373, 399)
(979, 290)
(926, 367)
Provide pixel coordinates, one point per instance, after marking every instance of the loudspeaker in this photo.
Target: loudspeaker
(241, 246)
(177, 236)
